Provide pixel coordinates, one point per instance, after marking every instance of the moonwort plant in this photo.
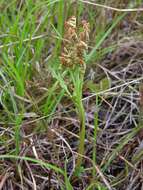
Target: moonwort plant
(72, 70)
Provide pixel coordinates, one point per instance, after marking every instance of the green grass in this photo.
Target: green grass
(30, 44)
(42, 164)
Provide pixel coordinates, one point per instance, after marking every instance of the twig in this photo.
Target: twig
(112, 8)
(3, 180)
(113, 88)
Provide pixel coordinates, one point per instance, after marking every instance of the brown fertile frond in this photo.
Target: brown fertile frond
(74, 43)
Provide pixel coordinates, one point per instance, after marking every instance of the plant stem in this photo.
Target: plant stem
(82, 134)
(77, 77)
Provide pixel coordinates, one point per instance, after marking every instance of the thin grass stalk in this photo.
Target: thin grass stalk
(95, 136)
